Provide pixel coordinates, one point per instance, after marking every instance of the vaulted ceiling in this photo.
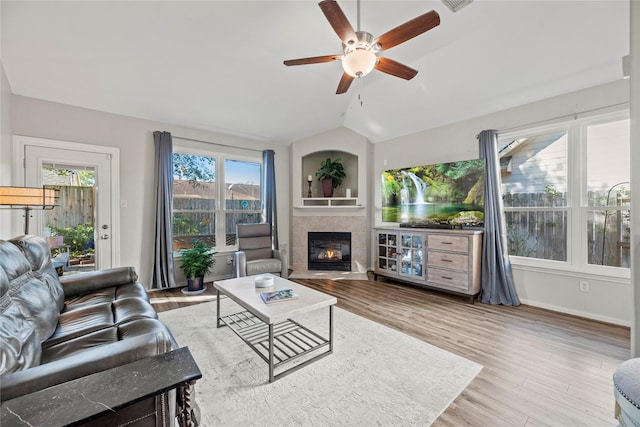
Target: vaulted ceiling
(218, 65)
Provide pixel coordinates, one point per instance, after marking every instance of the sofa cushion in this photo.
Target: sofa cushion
(37, 252)
(90, 318)
(112, 335)
(69, 362)
(255, 241)
(130, 290)
(101, 296)
(28, 292)
(80, 322)
(128, 309)
(89, 282)
(272, 265)
(20, 347)
(60, 350)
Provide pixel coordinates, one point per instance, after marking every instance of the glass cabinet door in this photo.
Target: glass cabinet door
(387, 252)
(412, 255)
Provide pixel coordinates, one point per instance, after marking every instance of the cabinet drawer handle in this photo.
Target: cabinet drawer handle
(446, 260)
(447, 243)
(446, 277)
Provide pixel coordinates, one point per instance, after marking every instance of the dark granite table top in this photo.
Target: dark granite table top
(91, 396)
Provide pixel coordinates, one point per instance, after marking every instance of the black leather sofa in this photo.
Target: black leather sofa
(57, 329)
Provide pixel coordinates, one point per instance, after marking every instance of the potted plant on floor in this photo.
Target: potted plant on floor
(330, 174)
(196, 262)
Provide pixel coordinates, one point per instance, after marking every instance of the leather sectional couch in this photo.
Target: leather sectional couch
(57, 329)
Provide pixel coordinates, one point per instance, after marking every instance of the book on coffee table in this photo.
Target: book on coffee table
(277, 296)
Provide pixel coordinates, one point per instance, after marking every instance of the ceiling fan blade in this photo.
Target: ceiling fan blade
(313, 60)
(345, 82)
(409, 30)
(338, 21)
(395, 68)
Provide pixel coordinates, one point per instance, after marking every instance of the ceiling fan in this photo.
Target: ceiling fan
(361, 48)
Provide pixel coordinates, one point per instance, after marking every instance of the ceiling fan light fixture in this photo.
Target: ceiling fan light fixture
(456, 5)
(359, 62)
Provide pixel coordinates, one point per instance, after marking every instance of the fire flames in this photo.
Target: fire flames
(330, 254)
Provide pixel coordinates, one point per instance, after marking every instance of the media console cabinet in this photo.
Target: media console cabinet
(442, 259)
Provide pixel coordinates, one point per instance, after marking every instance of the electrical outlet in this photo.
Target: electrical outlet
(584, 286)
(229, 260)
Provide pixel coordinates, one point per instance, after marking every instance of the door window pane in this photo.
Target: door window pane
(70, 227)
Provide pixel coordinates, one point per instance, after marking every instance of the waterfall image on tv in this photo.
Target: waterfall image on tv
(444, 193)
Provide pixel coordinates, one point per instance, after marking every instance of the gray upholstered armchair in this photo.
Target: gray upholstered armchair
(255, 254)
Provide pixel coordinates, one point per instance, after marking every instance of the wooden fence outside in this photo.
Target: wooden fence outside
(75, 205)
(543, 233)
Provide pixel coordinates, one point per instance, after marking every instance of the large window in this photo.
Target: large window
(198, 212)
(566, 193)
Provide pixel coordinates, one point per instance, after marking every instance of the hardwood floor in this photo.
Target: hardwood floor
(541, 368)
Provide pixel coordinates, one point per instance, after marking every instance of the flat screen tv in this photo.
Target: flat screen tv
(443, 194)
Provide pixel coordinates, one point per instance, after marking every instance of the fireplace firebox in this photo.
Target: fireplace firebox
(329, 251)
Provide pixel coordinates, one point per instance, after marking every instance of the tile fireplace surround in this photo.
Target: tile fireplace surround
(357, 225)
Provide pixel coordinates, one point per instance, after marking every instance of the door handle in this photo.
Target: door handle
(104, 236)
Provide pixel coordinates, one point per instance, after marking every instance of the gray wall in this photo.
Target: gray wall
(6, 132)
(608, 299)
(134, 138)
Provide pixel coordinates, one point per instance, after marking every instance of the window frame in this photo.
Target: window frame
(220, 209)
(577, 191)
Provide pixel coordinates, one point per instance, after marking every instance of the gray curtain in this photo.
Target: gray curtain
(497, 279)
(162, 276)
(269, 194)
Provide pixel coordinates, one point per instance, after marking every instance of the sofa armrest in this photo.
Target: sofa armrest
(84, 363)
(83, 283)
(239, 264)
(283, 255)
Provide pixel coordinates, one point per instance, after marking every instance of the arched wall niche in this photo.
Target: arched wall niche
(310, 164)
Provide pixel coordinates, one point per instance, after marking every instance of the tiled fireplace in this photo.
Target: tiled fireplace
(345, 212)
(302, 225)
(329, 250)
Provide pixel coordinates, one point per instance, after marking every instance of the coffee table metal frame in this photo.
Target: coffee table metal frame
(268, 329)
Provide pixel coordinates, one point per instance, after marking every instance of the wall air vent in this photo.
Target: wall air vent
(456, 5)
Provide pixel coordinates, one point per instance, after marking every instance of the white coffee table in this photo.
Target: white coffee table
(268, 328)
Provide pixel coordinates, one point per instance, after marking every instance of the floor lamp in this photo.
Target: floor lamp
(27, 199)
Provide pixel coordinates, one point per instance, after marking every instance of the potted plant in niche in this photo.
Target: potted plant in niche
(196, 262)
(330, 174)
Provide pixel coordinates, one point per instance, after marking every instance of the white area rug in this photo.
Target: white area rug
(375, 376)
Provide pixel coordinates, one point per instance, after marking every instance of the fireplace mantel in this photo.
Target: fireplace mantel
(330, 202)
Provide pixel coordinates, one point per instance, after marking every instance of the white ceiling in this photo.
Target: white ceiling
(217, 65)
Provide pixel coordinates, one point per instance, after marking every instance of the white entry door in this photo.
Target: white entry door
(38, 159)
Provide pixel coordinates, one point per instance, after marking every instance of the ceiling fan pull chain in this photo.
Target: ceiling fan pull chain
(360, 98)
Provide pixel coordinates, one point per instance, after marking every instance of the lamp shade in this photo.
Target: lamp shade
(359, 62)
(32, 197)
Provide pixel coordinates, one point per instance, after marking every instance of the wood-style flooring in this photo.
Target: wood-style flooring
(541, 368)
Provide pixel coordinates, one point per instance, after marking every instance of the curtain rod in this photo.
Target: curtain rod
(218, 144)
(573, 116)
